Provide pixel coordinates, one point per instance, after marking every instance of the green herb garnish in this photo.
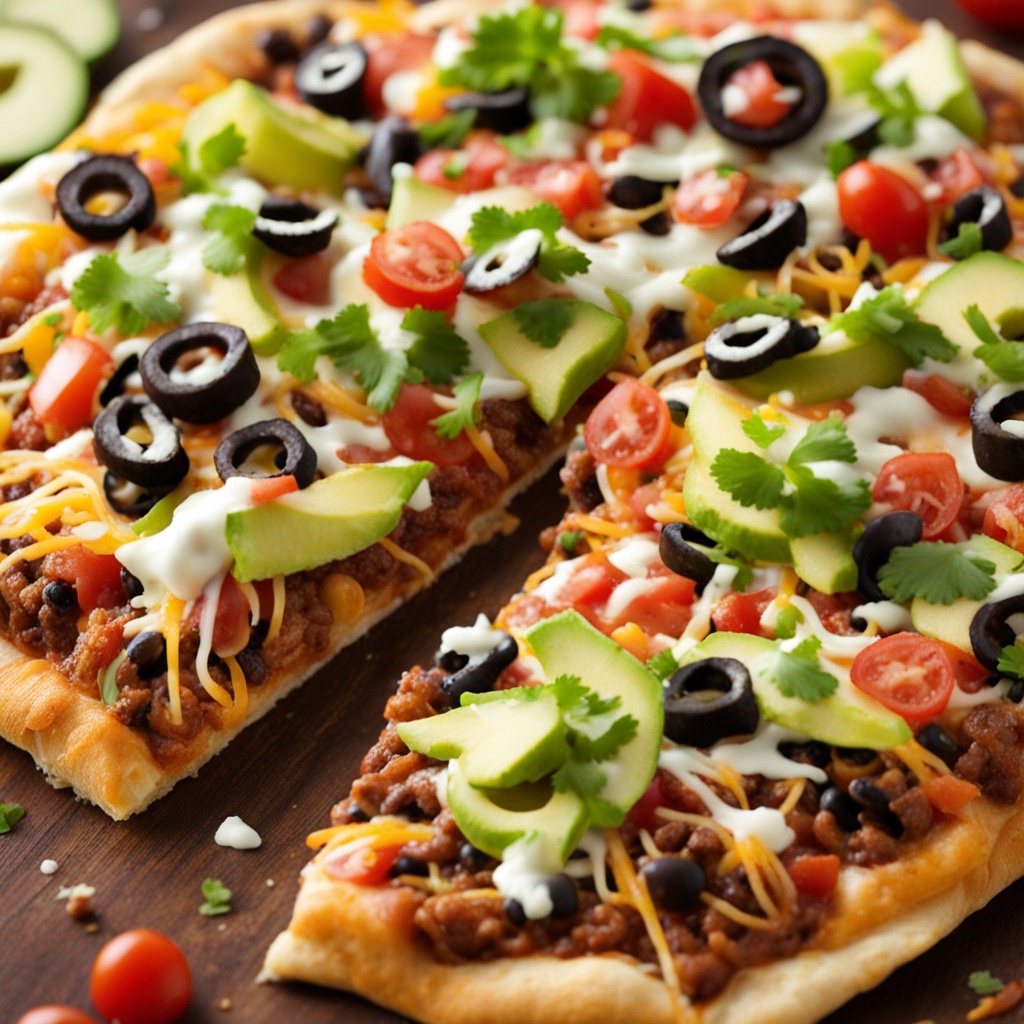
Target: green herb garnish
(199, 172)
(233, 241)
(984, 983)
(466, 413)
(216, 898)
(937, 573)
(798, 672)
(10, 815)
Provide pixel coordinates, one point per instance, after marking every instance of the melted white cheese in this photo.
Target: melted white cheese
(521, 874)
(475, 642)
(634, 556)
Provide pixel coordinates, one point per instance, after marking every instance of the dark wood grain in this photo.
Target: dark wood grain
(283, 774)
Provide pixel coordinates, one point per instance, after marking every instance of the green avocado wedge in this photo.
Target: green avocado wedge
(243, 299)
(332, 518)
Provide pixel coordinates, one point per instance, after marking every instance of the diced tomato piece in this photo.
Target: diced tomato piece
(763, 108)
(571, 185)
(408, 428)
(231, 625)
(415, 265)
(834, 610)
(923, 482)
(944, 396)
(96, 578)
(359, 454)
(956, 175)
(666, 607)
(819, 411)
(65, 388)
(272, 487)
(709, 199)
(647, 98)
(1004, 518)
(968, 673)
(592, 584)
(156, 170)
(630, 428)
(950, 794)
(361, 863)
(465, 170)
(642, 813)
(878, 204)
(741, 613)
(307, 279)
(639, 501)
(388, 55)
(908, 673)
(816, 876)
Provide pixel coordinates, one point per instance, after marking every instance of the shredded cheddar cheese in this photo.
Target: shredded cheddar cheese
(172, 633)
(277, 615)
(401, 555)
(481, 441)
(384, 831)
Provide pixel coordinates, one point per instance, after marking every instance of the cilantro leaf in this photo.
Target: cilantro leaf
(839, 155)
(979, 324)
(577, 701)
(10, 815)
(1011, 661)
(544, 321)
(216, 898)
(744, 574)
(121, 291)
(449, 131)
(663, 664)
(771, 304)
(888, 317)
(525, 48)
(761, 433)
(968, 241)
(820, 505)
(825, 441)
(898, 111)
(1003, 357)
(199, 171)
(984, 983)
(440, 353)
(677, 48)
(606, 744)
(937, 572)
(798, 673)
(233, 242)
(748, 478)
(466, 413)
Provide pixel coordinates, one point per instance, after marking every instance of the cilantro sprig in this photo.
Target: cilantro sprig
(10, 815)
(466, 412)
(1011, 661)
(663, 664)
(448, 132)
(123, 292)
(1003, 357)
(807, 503)
(544, 321)
(492, 225)
(216, 898)
(677, 48)
(984, 983)
(798, 672)
(526, 48)
(898, 111)
(938, 573)
(768, 303)
(233, 242)
(967, 242)
(888, 317)
(200, 170)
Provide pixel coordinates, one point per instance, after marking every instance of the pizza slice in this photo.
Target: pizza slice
(751, 739)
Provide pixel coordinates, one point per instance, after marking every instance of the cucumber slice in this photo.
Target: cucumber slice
(89, 27)
(44, 87)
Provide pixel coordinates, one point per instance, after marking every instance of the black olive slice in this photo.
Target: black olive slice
(709, 700)
(504, 112)
(236, 380)
(792, 66)
(998, 452)
(683, 558)
(294, 228)
(769, 239)
(162, 463)
(115, 384)
(330, 78)
(991, 630)
(985, 207)
(295, 456)
(480, 676)
(106, 174)
(631, 192)
(130, 499)
(394, 141)
(742, 347)
(659, 224)
(878, 541)
(278, 46)
(506, 262)
(318, 28)
(678, 410)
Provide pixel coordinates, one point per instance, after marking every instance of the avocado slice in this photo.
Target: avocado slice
(566, 644)
(413, 200)
(952, 622)
(556, 377)
(498, 744)
(332, 518)
(847, 718)
(244, 300)
(303, 150)
(938, 79)
(716, 282)
(493, 819)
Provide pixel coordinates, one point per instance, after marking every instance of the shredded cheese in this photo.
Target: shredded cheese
(591, 524)
(241, 691)
(383, 830)
(173, 610)
(277, 616)
(481, 441)
(726, 909)
(401, 555)
(922, 762)
(796, 791)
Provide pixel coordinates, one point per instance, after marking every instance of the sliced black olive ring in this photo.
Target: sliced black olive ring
(985, 207)
(991, 630)
(506, 262)
(479, 676)
(710, 700)
(742, 347)
(791, 65)
(100, 174)
(503, 112)
(394, 141)
(769, 240)
(631, 192)
(115, 384)
(236, 380)
(683, 558)
(159, 463)
(294, 228)
(997, 451)
(294, 456)
(128, 499)
(878, 541)
(330, 78)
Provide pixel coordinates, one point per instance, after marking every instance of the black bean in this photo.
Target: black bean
(659, 225)
(59, 594)
(855, 755)
(132, 584)
(406, 865)
(278, 46)
(148, 653)
(841, 807)
(812, 752)
(634, 193)
(318, 29)
(472, 859)
(253, 667)
(564, 897)
(309, 409)
(940, 743)
(515, 913)
(674, 883)
(868, 793)
(666, 325)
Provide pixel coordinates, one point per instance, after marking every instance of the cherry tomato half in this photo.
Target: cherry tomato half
(908, 673)
(647, 99)
(96, 578)
(883, 207)
(1000, 13)
(741, 613)
(629, 428)
(957, 174)
(64, 390)
(571, 185)
(709, 199)
(942, 395)
(388, 55)
(415, 265)
(408, 428)
(231, 623)
(361, 863)
(763, 107)
(465, 170)
(923, 482)
(54, 1014)
(307, 279)
(1004, 518)
(141, 977)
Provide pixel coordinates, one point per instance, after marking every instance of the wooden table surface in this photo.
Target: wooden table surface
(283, 774)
